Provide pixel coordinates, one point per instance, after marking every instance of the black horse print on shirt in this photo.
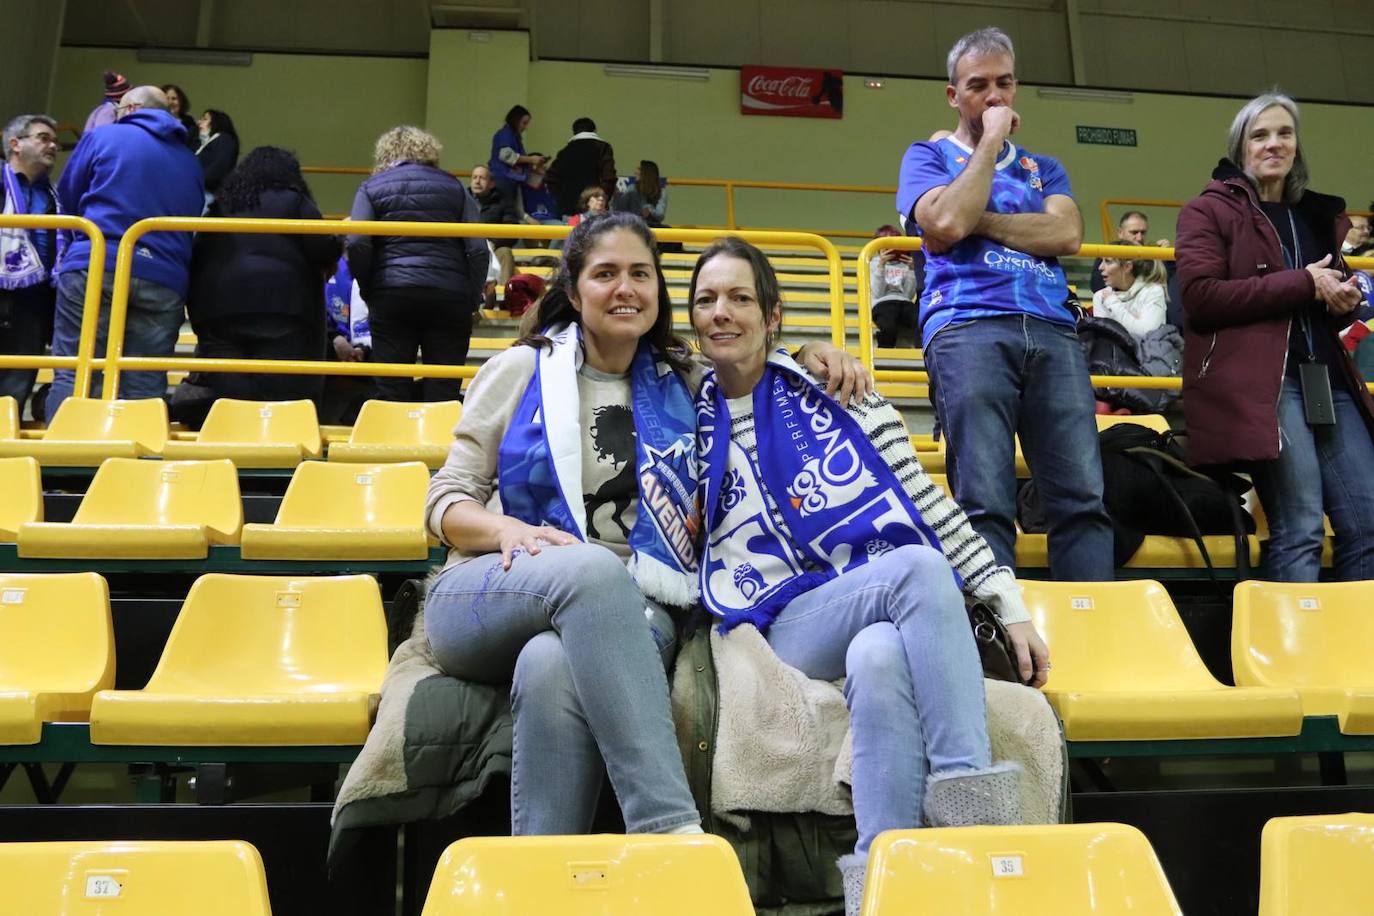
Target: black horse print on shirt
(613, 438)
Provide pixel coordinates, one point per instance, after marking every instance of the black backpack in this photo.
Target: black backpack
(1149, 488)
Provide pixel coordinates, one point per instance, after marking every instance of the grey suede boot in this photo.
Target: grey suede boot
(964, 798)
(852, 869)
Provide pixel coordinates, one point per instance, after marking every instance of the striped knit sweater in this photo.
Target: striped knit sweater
(964, 548)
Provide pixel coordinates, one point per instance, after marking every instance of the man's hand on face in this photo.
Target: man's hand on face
(1000, 122)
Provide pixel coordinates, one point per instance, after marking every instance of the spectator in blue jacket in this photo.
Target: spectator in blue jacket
(421, 293)
(137, 167)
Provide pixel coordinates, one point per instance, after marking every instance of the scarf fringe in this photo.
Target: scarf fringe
(662, 583)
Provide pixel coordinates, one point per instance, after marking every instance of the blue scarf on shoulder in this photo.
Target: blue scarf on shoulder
(840, 502)
(539, 463)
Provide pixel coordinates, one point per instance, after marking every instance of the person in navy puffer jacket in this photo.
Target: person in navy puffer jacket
(135, 168)
(421, 292)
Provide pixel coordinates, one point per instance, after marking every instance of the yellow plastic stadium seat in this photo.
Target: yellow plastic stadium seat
(255, 434)
(259, 660)
(1124, 669)
(346, 512)
(165, 510)
(56, 650)
(134, 878)
(398, 431)
(941, 481)
(1149, 420)
(21, 482)
(589, 876)
(1317, 866)
(1315, 638)
(924, 443)
(86, 431)
(1062, 869)
(9, 418)
(1157, 551)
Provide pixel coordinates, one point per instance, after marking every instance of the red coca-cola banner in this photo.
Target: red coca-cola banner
(791, 91)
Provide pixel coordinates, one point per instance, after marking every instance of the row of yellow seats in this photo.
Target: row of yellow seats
(1309, 866)
(174, 510)
(251, 660)
(1125, 669)
(254, 434)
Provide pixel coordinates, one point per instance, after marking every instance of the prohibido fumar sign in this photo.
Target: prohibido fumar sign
(1106, 136)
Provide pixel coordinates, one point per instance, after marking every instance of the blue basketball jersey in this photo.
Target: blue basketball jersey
(980, 278)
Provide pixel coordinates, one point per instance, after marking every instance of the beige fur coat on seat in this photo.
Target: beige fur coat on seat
(783, 740)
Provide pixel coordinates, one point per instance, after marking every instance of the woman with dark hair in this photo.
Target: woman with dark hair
(1266, 383)
(509, 163)
(421, 293)
(260, 295)
(585, 430)
(218, 149)
(179, 107)
(823, 531)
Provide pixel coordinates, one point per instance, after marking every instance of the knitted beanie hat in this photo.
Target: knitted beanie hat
(115, 85)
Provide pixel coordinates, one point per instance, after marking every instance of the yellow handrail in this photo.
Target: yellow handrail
(903, 243)
(729, 185)
(1109, 228)
(82, 362)
(116, 361)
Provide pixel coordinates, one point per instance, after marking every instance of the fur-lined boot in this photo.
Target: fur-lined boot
(964, 798)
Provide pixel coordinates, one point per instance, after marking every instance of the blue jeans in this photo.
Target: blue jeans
(896, 630)
(1328, 468)
(150, 329)
(992, 378)
(569, 628)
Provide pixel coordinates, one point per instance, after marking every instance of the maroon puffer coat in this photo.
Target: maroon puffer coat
(1240, 301)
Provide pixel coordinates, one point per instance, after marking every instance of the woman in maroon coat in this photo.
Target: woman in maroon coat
(1267, 386)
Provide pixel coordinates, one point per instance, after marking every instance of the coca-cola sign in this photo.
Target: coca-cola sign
(791, 91)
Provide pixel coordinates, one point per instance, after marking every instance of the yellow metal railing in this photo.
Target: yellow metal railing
(728, 185)
(83, 362)
(865, 306)
(1109, 225)
(116, 362)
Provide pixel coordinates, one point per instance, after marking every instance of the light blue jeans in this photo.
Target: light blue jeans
(1331, 469)
(586, 658)
(150, 329)
(896, 630)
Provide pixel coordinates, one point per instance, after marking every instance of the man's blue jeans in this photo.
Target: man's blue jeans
(1328, 468)
(995, 377)
(150, 329)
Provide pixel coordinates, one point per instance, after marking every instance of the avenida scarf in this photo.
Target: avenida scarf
(539, 465)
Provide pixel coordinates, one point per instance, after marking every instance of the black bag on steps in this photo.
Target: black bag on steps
(1149, 488)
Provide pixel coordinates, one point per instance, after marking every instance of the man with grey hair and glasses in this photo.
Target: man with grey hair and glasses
(27, 256)
(999, 338)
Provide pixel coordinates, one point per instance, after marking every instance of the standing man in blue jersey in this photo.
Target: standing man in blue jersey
(999, 340)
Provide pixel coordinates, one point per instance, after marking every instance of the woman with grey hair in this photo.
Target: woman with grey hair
(421, 293)
(1267, 386)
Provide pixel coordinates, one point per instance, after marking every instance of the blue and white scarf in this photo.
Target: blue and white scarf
(20, 265)
(539, 464)
(840, 502)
